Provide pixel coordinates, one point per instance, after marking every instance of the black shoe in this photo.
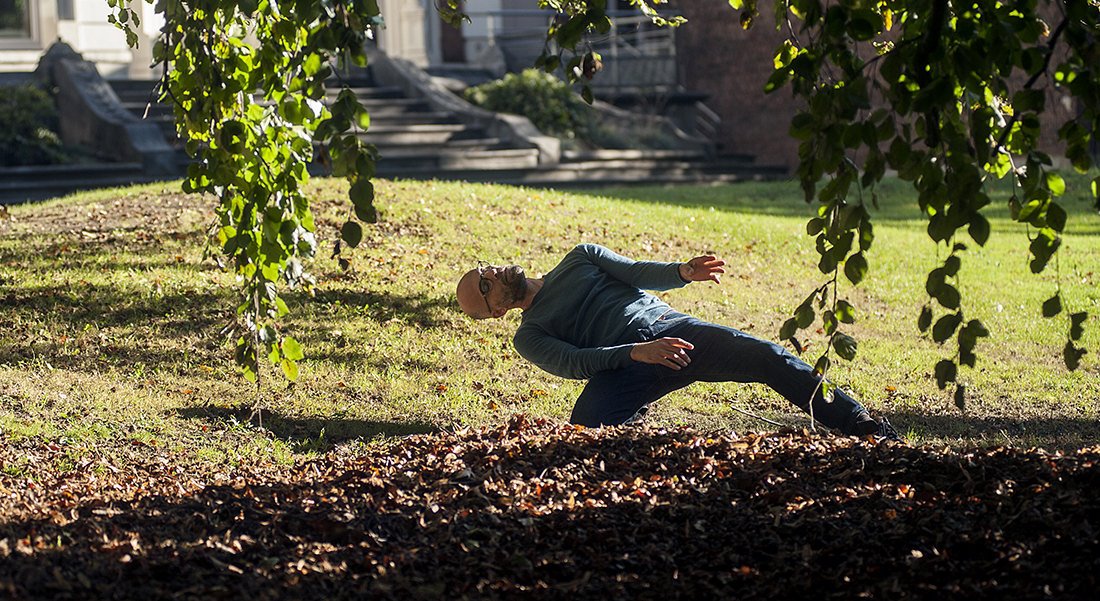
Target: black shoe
(886, 430)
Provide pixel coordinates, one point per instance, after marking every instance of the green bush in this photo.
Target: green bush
(550, 104)
(27, 122)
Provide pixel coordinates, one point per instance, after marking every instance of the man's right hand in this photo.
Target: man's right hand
(670, 352)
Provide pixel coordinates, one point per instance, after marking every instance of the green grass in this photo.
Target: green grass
(109, 319)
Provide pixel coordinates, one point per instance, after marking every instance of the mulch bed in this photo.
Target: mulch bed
(544, 511)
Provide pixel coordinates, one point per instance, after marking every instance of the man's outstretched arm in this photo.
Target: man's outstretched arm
(702, 269)
(651, 275)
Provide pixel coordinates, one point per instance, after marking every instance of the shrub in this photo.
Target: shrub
(27, 119)
(550, 104)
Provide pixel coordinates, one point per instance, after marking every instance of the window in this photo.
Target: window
(15, 19)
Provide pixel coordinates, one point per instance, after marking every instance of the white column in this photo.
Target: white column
(480, 31)
(404, 34)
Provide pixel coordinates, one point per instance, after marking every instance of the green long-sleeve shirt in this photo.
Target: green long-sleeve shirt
(589, 310)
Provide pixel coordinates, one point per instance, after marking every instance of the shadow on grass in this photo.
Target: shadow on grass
(80, 305)
(140, 319)
(422, 311)
(897, 201)
(313, 433)
(1053, 433)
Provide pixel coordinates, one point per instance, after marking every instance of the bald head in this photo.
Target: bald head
(492, 291)
(469, 296)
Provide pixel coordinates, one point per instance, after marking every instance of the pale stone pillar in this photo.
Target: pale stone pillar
(404, 33)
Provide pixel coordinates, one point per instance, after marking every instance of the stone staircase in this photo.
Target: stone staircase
(414, 140)
(417, 140)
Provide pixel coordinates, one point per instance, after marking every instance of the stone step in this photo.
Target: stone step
(412, 118)
(379, 106)
(603, 173)
(23, 184)
(491, 159)
(461, 145)
(628, 154)
(370, 92)
(414, 133)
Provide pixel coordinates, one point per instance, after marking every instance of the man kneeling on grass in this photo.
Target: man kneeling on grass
(590, 319)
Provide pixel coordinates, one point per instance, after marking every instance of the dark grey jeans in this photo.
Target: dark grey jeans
(721, 354)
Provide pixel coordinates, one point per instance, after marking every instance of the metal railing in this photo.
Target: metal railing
(639, 60)
(637, 55)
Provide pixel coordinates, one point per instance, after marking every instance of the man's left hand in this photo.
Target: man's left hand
(702, 269)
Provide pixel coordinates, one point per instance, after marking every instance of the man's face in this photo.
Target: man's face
(491, 290)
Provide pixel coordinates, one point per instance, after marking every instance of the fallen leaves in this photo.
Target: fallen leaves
(541, 510)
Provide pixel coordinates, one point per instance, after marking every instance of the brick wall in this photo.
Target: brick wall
(718, 57)
(730, 64)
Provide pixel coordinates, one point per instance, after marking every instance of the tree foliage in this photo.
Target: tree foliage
(247, 81)
(949, 96)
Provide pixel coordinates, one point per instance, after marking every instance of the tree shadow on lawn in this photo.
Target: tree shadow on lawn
(188, 314)
(1053, 433)
(787, 202)
(390, 527)
(78, 306)
(311, 433)
(379, 306)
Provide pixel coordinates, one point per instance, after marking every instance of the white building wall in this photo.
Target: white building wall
(21, 54)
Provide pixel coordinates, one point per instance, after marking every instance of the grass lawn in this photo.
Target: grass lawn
(109, 319)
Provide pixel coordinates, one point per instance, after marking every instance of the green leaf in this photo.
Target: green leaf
(290, 369)
(1030, 208)
(946, 371)
(1056, 184)
(855, 268)
(292, 349)
(979, 229)
(845, 312)
(845, 346)
(864, 25)
(586, 94)
(362, 198)
(804, 316)
(821, 366)
(312, 64)
(1056, 217)
(1052, 306)
(829, 322)
(788, 330)
(351, 233)
(362, 119)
